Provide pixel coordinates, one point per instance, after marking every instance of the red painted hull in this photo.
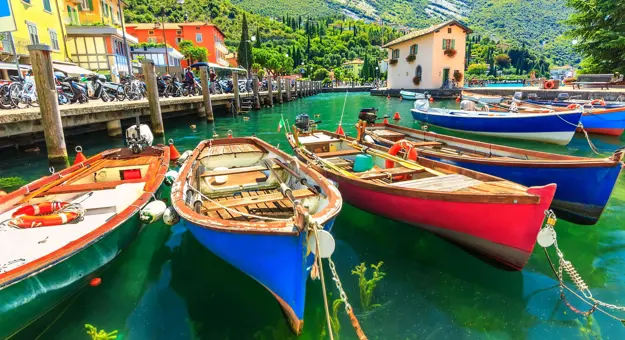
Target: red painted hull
(505, 232)
(605, 131)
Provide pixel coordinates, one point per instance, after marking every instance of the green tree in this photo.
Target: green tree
(258, 42)
(191, 52)
(244, 53)
(477, 69)
(503, 60)
(321, 74)
(599, 28)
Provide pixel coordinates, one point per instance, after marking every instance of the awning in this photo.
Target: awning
(71, 69)
(211, 65)
(11, 66)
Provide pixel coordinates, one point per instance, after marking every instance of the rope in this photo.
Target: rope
(581, 126)
(343, 112)
(323, 282)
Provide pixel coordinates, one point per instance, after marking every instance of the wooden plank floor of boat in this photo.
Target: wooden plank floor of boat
(277, 209)
(217, 150)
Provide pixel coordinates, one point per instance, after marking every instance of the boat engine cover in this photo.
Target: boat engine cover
(422, 105)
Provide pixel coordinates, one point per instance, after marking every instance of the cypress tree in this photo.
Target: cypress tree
(244, 57)
(308, 49)
(258, 42)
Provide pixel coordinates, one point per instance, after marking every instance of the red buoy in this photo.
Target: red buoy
(79, 155)
(95, 282)
(396, 116)
(173, 152)
(385, 121)
(229, 133)
(388, 96)
(431, 99)
(339, 130)
(458, 99)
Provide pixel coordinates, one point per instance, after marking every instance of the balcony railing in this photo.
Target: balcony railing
(92, 22)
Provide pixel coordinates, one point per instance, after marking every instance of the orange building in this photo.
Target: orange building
(200, 33)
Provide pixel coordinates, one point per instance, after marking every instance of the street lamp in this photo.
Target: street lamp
(247, 69)
(180, 2)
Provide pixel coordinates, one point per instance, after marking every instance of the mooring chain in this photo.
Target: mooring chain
(547, 237)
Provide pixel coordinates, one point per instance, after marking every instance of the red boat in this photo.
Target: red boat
(483, 213)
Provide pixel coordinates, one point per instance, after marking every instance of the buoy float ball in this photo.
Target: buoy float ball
(396, 116)
(173, 152)
(96, 281)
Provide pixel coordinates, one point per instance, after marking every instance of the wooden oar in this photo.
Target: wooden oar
(329, 164)
(398, 160)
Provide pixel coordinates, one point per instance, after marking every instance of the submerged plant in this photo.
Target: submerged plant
(591, 330)
(336, 325)
(367, 286)
(11, 182)
(101, 334)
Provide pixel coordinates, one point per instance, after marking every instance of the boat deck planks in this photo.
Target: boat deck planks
(228, 149)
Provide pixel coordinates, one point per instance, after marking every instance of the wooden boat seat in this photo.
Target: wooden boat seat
(255, 200)
(234, 171)
(446, 183)
(384, 173)
(218, 150)
(339, 153)
(86, 187)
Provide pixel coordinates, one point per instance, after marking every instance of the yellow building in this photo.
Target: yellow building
(353, 67)
(37, 22)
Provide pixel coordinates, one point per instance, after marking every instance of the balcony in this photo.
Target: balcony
(20, 45)
(96, 27)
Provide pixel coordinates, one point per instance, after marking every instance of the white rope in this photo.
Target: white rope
(581, 126)
(343, 112)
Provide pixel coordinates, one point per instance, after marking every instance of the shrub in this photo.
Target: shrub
(450, 52)
(411, 58)
(392, 62)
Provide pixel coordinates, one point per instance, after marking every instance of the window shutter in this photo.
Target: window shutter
(416, 49)
(444, 41)
(90, 4)
(453, 44)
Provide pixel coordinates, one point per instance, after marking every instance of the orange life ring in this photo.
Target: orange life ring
(598, 102)
(573, 106)
(42, 215)
(549, 84)
(394, 150)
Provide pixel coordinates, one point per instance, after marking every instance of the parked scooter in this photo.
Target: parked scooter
(71, 88)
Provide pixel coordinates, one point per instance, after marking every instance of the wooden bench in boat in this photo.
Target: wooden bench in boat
(446, 183)
(389, 134)
(86, 187)
(255, 200)
(218, 150)
(339, 153)
(234, 171)
(384, 173)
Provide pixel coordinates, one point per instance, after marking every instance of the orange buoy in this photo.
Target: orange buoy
(431, 99)
(598, 102)
(385, 121)
(408, 148)
(96, 281)
(79, 155)
(549, 84)
(458, 99)
(339, 130)
(229, 133)
(43, 214)
(388, 96)
(396, 116)
(173, 152)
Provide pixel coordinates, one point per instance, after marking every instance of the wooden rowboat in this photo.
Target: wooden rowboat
(484, 213)
(42, 266)
(253, 205)
(584, 184)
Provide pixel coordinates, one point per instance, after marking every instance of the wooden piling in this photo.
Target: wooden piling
(156, 118)
(287, 85)
(255, 88)
(279, 83)
(114, 128)
(206, 94)
(237, 98)
(270, 90)
(41, 61)
(295, 89)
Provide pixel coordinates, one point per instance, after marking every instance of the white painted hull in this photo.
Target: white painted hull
(559, 138)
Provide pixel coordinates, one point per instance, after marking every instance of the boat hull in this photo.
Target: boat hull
(411, 95)
(25, 301)
(281, 263)
(549, 128)
(508, 234)
(567, 103)
(609, 122)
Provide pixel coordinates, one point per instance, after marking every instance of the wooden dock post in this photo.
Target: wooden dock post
(48, 104)
(279, 81)
(308, 87)
(206, 94)
(296, 88)
(114, 128)
(156, 118)
(235, 86)
(255, 91)
(270, 90)
(287, 83)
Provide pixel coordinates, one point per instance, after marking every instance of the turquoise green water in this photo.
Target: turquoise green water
(167, 286)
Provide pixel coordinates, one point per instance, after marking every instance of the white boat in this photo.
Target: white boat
(411, 95)
(481, 98)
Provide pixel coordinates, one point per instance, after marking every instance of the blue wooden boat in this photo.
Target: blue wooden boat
(584, 185)
(409, 95)
(254, 206)
(597, 103)
(552, 127)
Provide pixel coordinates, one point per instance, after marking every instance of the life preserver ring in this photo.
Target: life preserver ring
(549, 84)
(573, 106)
(600, 102)
(394, 150)
(42, 215)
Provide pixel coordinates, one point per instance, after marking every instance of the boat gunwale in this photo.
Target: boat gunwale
(448, 113)
(42, 263)
(331, 210)
(521, 198)
(561, 161)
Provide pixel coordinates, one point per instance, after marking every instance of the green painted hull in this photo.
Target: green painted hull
(25, 301)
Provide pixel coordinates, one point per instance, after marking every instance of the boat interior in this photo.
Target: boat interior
(101, 190)
(342, 156)
(437, 143)
(244, 181)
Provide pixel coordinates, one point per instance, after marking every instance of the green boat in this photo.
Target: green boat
(59, 230)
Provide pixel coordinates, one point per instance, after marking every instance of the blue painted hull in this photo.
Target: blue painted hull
(608, 120)
(278, 262)
(567, 103)
(550, 128)
(582, 192)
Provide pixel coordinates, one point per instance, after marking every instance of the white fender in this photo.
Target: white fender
(152, 212)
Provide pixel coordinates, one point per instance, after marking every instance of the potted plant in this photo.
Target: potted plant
(392, 61)
(410, 58)
(458, 76)
(450, 52)
(416, 80)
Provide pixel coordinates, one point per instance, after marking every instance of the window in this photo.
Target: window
(414, 49)
(152, 40)
(46, 6)
(448, 29)
(179, 32)
(418, 72)
(395, 53)
(178, 40)
(54, 40)
(150, 32)
(198, 37)
(32, 32)
(449, 44)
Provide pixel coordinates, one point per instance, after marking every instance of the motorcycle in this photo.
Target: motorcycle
(71, 88)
